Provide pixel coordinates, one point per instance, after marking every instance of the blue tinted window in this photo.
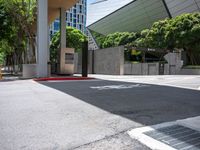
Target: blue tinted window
(56, 26)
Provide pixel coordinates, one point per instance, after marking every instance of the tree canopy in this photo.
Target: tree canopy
(74, 39)
(119, 38)
(180, 32)
(17, 30)
(184, 32)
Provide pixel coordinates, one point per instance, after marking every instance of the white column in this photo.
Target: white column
(42, 41)
(62, 28)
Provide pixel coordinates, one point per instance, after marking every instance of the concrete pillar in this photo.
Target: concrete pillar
(62, 28)
(42, 41)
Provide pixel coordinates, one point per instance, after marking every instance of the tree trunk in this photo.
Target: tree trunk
(31, 48)
(192, 58)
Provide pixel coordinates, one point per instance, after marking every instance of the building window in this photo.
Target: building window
(75, 17)
(80, 8)
(82, 19)
(56, 26)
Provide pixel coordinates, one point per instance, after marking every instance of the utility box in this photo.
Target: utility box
(66, 61)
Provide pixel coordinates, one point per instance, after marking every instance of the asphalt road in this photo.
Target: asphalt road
(86, 114)
(145, 104)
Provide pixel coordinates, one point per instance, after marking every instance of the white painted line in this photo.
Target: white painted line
(118, 87)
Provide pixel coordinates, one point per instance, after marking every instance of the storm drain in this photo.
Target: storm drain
(178, 137)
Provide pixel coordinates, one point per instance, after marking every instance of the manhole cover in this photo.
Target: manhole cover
(178, 137)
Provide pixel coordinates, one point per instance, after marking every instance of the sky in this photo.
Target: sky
(90, 1)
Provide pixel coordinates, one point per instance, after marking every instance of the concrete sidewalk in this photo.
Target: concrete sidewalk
(37, 117)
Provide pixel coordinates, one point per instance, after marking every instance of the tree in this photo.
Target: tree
(8, 32)
(17, 30)
(23, 14)
(155, 37)
(184, 30)
(142, 40)
(1, 58)
(74, 39)
(119, 38)
(181, 32)
(6, 22)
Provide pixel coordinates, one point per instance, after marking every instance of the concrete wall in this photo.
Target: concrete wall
(78, 63)
(29, 70)
(109, 61)
(189, 72)
(141, 69)
(173, 66)
(174, 63)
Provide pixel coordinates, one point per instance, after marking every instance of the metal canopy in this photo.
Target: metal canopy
(141, 14)
(101, 8)
(135, 16)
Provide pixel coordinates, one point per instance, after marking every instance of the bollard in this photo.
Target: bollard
(85, 59)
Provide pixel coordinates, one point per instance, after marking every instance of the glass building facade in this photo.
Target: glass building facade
(75, 17)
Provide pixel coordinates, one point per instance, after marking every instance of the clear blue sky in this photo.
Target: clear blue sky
(90, 1)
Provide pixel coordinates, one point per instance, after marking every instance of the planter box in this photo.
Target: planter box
(29, 70)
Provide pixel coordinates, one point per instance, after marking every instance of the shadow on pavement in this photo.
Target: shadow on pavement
(143, 103)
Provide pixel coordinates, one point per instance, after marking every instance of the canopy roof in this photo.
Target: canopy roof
(135, 16)
(54, 5)
(140, 14)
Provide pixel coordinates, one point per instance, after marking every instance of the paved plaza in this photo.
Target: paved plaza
(92, 114)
